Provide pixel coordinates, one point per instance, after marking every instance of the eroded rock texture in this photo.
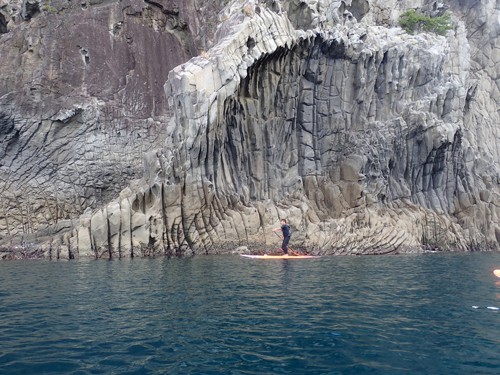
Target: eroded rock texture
(81, 100)
(368, 139)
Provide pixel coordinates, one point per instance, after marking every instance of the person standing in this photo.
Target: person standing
(285, 230)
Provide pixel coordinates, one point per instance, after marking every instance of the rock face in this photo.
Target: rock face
(81, 100)
(368, 139)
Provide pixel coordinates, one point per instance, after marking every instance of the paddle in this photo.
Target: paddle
(294, 252)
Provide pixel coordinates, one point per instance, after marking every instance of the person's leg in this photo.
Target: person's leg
(284, 245)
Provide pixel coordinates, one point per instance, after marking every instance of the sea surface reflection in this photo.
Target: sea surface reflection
(231, 315)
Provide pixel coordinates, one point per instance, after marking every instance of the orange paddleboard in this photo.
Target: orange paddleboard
(280, 256)
(497, 273)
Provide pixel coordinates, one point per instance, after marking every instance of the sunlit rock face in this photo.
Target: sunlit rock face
(368, 139)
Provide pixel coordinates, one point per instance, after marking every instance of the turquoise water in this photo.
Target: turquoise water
(230, 315)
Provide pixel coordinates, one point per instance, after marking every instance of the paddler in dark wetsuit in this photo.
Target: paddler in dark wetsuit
(285, 229)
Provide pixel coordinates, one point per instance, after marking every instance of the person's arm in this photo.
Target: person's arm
(277, 229)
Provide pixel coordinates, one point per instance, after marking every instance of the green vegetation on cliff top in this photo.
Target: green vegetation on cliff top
(412, 21)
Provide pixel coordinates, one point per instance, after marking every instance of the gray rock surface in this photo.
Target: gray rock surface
(81, 100)
(368, 139)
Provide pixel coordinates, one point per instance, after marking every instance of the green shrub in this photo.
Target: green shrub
(413, 21)
(49, 8)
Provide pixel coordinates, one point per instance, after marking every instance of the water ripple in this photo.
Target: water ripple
(226, 315)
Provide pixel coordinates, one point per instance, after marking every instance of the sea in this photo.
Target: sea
(419, 314)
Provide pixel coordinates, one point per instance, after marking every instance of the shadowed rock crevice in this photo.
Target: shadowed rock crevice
(3, 24)
(285, 123)
(30, 8)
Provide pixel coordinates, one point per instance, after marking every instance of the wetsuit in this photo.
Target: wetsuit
(285, 229)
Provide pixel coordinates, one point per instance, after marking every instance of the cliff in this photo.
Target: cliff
(369, 139)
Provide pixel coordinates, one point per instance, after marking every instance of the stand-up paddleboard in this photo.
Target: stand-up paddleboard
(280, 256)
(496, 273)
